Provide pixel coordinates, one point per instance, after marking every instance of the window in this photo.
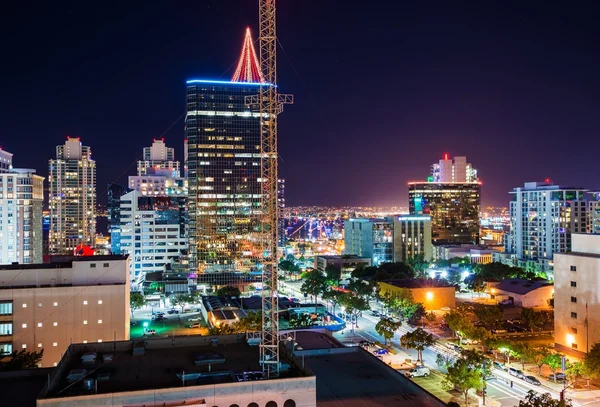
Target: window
(99, 302)
(84, 302)
(99, 321)
(6, 347)
(574, 315)
(55, 324)
(271, 404)
(573, 283)
(574, 330)
(39, 324)
(574, 345)
(24, 305)
(39, 345)
(92, 265)
(6, 328)
(84, 341)
(54, 343)
(24, 326)
(84, 322)
(289, 403)
(99, 340)
(574, 299)
(573, 268)
(55, 304)
(6, 308)
(39, 305)
(24, 346)
(105, 265)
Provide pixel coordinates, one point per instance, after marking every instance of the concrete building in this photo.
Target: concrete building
(158, 158)
(21, 205)
(72, 198)
(433, 294)
(153, 231)
(453, 170)
(476, 254)
(542, 218)
(49, 306)
(373, 238)
(181, 371)
(115, 192)
(523, 292)
(346, 263)
(594, 213)
(576, 299)
(412, 237)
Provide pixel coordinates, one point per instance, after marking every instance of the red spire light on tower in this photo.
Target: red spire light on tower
(248, 69)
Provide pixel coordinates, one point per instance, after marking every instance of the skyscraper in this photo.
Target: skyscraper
(223, 132)
(158, 158)
(542, 218)
(158, 173)
(453, 170)
(21, 201)
(373, 238)
(115, 192)
(72, 197)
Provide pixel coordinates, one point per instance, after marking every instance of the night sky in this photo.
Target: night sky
(382, 88)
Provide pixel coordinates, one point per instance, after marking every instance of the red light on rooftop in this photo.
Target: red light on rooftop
(547, 180)
(445, 156)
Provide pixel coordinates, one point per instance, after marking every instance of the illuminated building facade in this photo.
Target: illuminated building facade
(115, 192)
(453, 207)
(153, 231)
(72, 198)
(5, 161)
(594, 214)
(542, 218)
(372, 238)
(453, 170)
(21, 201)
(412, 237)
(158, 158)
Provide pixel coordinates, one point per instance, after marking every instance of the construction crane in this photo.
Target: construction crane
(271, 104)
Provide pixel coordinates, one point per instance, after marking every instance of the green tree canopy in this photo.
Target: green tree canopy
(333, 274)
(20, 360)
(180, 300)
(532, 319)
(300, 321)
(353, 304)
(554, 362)
(490, 315)
(136, 301)
(252, 322)
(314, 284)
(533, 399)
(460, 324)
(386, 327)
(228, 291)
(591, 363)
(463, 377)
(418, 340)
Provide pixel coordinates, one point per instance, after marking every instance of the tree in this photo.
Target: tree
(224, 329)
(574, 372)
(554, 362)
(463, 377)
(252, 322)
(300, 321)
(475, 282)
(386, 327)
(136, 301)
(180, 300)
(418, 264)
(533, 399)
(314, 284)
(413, 312)
(525, 352)
(460, 324)
(490, 316)
(591, 363)
(353, 304)
(539, 357)
(20, 360)
(333, 274)
(228, 291)
(418, 340)
(531, 319)
(332, 296)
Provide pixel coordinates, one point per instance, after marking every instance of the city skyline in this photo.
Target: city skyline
(469, 109)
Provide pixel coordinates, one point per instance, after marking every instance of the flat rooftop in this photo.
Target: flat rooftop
(361, 380)
(158, 366)
(416, 283)
(62, 262)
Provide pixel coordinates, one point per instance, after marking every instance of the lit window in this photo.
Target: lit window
(39, 304)
(54, 364)
(85, 303)
(84, 341)
(99, 302)
(99, 340)
(24, 346)
(55, 324)
(99, 321)
(24, 326)
(55, 344)
(39, 345)
(85, 322)
(24, 305)
(39, 324)
(55, 304)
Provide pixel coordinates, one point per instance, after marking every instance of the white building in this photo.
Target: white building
(158, 157)
(594, 214)
(49, 306)
(523, 292)
(21, 202)
(72, 198)
(542, 218)
(412, 237)
(453, 170)
(153, 231)
(576, 306)
(5, 161)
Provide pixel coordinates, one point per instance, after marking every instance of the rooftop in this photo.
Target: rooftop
(520, 285)
(61, 262)
(343, 257)
(417, 283)
(155, 363)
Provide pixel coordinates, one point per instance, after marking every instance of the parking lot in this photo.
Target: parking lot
(188, 323)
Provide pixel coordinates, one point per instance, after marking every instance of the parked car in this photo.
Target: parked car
(194, 319)
(375, 313)
(516, 372)
(195, 325)
(445, 308)
(419, 371)
(506, 302)
(559, 377)
(516, 328)
(532, 380)
(365, 344)
(150, 332)
(381, 351)
(172, 311)
(499, 365)
(499, 331)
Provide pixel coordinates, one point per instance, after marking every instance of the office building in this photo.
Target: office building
(542, 218)
(158, 158)
(453, 170)
(594, 213)
(453, 208)
(115, 192)
(577, 289)
(223, 133)
(21, 202)
(345, 263)
(72, 198)
(412, 237)
(153, 231)
(372, 238)
(52, 305)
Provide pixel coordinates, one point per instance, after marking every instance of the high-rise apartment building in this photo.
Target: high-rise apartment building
(21, 204)
(372, 238)
(153, 231)
(453, 207)
(72, 197)
(158, 158)
(52, 305)
(594, 213)
(453, 170)
(115, 192)
(542, 218)
(412, 237)
(576, 293)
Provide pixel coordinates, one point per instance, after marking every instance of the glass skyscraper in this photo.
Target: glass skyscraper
(223, 137)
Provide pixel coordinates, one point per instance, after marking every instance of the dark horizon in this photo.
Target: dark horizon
(380, 94)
